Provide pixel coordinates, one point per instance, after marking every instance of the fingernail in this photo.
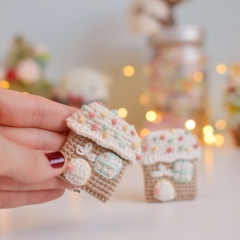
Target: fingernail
(56, 159)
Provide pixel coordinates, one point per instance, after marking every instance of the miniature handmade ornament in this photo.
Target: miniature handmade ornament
(98, 149)
(169, 165)
(82, 86)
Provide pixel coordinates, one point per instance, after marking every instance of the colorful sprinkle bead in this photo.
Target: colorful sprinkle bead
(122, 145)
(180, 138)
(125, 127)
(105, 135)
(114, 121)
(106, 127)
(115, 112)
(100, 103)
(155, 139)
(171, 130)
(85, 108)
(187, 149)
(135, 145)
(155, 149)
(70, 168)
(103, 114)
(145, 148)
(170, 150)
(138, 157)
(117, 135)
(162, 137)
(81, 119)
(94, 127)
(133, 133)
(92, 114)
(196, 145)
(170, 140)
(180, 148)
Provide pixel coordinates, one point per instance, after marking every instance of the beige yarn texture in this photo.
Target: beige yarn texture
(184, 191)
(97, 185)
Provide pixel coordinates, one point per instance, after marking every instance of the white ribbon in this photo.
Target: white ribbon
(163, 171)
(86, 151)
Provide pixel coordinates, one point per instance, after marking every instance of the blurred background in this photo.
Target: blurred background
(161, 64)
(78, 42)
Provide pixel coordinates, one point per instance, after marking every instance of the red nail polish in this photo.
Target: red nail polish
(56, 159)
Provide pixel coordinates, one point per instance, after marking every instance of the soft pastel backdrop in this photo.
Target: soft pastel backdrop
(95, 33)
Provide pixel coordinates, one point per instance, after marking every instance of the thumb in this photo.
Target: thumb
(27, 165)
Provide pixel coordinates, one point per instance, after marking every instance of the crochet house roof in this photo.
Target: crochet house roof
(169, 146)
(104, 127)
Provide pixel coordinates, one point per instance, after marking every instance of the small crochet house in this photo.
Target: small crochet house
(169, 165)
(98, 149)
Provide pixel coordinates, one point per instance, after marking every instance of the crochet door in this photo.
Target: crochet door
(98, 175)
(170, 181)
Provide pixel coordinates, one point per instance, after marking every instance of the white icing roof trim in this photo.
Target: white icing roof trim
(111, 142)
(168, 146)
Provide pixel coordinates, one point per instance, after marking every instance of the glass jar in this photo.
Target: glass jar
(178, 82)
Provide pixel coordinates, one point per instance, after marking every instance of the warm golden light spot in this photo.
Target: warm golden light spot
(147, 70)
(208, 130)
(144, 132)
(151, 116)
(219, 140)
(25, 92)
(122, 112)
(4, 84)
(128, 71)
(220, 124)
(235, 70)
(197, 76)
(221, 68)
(144, 99)
(209, 139)
(158, 119)
(190, 124)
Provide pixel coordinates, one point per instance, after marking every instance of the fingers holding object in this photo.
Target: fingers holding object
(16, 199)
(34, 138)
(27, 165)
(26, 110)
(9, 184)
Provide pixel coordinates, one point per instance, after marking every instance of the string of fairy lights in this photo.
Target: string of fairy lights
(151, 116)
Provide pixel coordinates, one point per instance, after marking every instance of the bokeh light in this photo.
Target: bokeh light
(219, 140)
(197, 76)
(190, 124)
(4, 84)
(128, 71)
(144, 132)
(122, 112)
(151, 116)
(220, 124)
(158, 119)
(221, 68)
(208, 130)
(209, 139)
(147, 70)
(144, 99)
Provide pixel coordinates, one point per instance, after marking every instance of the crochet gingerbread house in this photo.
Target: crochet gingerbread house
(169, 165)
(98, 149)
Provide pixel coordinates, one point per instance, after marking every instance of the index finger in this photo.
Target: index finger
(25, 110)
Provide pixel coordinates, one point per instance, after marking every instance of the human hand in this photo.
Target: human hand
(29, 127)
